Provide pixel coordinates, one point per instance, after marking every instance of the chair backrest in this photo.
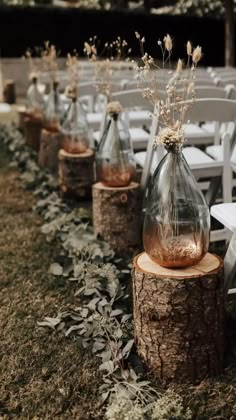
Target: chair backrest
(213, 109)
(231, 80)
(212, 92)
(132, 98)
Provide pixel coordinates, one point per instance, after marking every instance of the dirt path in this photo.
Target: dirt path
(43, 375)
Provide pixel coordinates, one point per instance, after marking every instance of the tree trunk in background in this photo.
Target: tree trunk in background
(229, 32)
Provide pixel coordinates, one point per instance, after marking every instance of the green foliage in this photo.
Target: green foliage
(198, 7)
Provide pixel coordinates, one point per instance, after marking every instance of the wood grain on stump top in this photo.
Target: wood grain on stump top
(210, 264)
(86, 154)
(101, 186)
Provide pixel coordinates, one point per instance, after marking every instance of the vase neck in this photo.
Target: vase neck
(176, 149)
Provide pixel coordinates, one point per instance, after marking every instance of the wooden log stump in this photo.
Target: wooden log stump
(76, 173)
(178, 318)
(9, 93)
(117, 215)
(32, 131)
(50, 143)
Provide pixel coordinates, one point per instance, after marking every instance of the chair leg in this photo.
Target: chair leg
(213, 190)
(230, 265)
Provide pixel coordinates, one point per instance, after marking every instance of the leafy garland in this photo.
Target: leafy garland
(102, 321)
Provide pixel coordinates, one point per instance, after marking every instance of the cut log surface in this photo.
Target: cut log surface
(49, 147)
(117, 215)
(178, 318)
(76, 173)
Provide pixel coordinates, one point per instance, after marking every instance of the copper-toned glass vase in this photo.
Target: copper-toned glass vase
(177, 220)
(115, 158)
(75, 129)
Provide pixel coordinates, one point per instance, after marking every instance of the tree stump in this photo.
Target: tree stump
(178, 318)
(76, 173)
(50, 143)
(9, 93)
(32, 131)
(117, 215)
(21, 118)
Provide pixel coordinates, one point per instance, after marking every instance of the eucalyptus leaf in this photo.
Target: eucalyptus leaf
(108, 366)
(126, 350)
(116, 312)
(56, 269)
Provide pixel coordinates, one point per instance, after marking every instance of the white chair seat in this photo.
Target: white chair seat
(197, 135)
(195, 156)
(139, 137)
(4, 108)
(139, 118)
(217, 153)
(226, 214)
(94, 119)
(140, 159)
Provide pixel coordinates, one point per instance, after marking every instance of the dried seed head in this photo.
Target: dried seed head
(190, 89)
(114, 107)
(189, 48)
(179, 67)
(168, 42)
(197, 54)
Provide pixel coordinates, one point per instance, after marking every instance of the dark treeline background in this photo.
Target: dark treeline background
(23, 27)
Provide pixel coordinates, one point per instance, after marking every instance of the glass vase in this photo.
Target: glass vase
(75, 129)
(54, 109)
(115, 158)
(177, 220)
(35, 100)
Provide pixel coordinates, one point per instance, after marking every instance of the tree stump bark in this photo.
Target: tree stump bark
(117, 215)
(178, 318)
(9, 93)
(50, 143)
(32, 131)
(76, 173)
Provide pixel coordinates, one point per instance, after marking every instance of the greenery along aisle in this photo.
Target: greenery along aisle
(101, 319)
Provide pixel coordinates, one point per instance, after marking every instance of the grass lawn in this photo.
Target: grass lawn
(43, 375)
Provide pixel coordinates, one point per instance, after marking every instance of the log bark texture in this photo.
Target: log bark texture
(117, 215)
(9, 92)
(50, 143)
(32, 130)
(178, 318)
(76, 173)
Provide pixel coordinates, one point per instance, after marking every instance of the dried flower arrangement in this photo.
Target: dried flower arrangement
(170, 106)
(35, 63)
(104, 56)
(49, 56)
(72, 65)
(114, 107)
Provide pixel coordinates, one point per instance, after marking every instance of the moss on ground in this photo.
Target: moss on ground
(43, 375)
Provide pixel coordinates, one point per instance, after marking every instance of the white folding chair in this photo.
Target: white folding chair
(226, 214)
(202, 165)
(137, 112)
